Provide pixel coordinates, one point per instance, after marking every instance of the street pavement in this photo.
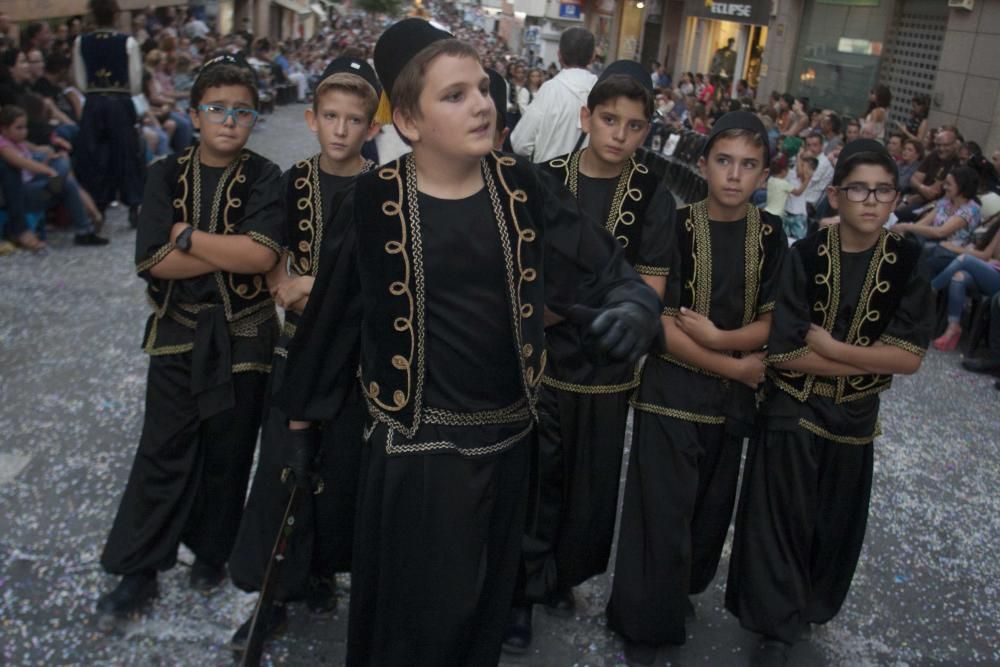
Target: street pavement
(72, 380)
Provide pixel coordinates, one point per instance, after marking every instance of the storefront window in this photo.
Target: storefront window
(837, 59)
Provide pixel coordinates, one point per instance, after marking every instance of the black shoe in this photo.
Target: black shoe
(205, 576)
(989, 364)
(275, 623)
(133, 216)
(561, 603)
(321, 595)
(90, 238)
(771, 653)
(638, 653)
(131, 595)
(517, 639)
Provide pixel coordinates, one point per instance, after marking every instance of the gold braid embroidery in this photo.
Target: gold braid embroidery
(677, 414)
(309, 204)
(873, 284)
(399, 288)
(903, 344)
(574, 388)
(754, 262)
(842, 439)
(512, 414)
(155, 258)
(445, 445)
(230, 228)
(248, 366)
(700, 283)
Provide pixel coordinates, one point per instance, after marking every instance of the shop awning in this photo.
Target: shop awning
(292, 6)
(318, 10)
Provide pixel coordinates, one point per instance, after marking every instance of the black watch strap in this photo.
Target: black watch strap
(183, 240)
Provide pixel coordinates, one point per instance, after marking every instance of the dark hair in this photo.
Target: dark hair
(620, 85)
(924, 102)
(835, 123)
(104, 11)
(879, 159)
(883, 97)
(788, 99)
(576, 45)
(917, 146)
(897, 135)
(739, 133)
(31, 32)
(57, 63)
(810, 160)
(967, 181)
(973, 148)
(815, 135)
(853, 121)
(10, 113)
(953, 130)
(224, 75)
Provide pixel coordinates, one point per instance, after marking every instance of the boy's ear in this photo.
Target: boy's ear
(310, 116)
(763, 178)
(585, 119)
(195, 120)
(701, 166)
(372, 131)
(405, 126)
(832, 197)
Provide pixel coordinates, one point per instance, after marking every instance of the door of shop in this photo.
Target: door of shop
(913, 47)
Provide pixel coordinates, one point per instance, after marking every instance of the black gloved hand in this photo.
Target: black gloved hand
(299, 453)
(622, 332)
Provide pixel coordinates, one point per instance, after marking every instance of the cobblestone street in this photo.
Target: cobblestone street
(72, 380)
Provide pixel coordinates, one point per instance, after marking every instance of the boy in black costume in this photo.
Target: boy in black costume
(852, 310)
(583, 406)
(695, 403)
(341, 115)
(446, 272)
(210, 228)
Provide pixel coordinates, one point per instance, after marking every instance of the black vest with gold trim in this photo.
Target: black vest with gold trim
(241, 295)
(633, 192)
(305, 215)
(892, 263)
(105, 61)
(391, 265)
(695, 242)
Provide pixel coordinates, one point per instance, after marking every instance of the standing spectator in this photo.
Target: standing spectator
(821, 177)
(915, 126)
(699, 119)
(660, 77)
(551, 127)
(107, 66)
(193, 26)
(526, 95)
(831, 127)
(686, 86)
(879, 99)
(724, 61)
(795, 218)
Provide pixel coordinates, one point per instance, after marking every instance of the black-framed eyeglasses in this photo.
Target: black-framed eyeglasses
(884, 194)
(218, 114)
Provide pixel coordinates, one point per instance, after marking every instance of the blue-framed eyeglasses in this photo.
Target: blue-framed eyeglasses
(218, 114)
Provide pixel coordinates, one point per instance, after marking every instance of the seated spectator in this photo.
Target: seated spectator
(292, 74)
(953, 218)
(699, 118)
(915, 127)
(46, 177)
(894, 144)
(852, 131)
(976, 269)
(163, 101)
(54, 85)
(13, 76)
(831, 129)
(927, 183)
(909, 161)
(968, 150)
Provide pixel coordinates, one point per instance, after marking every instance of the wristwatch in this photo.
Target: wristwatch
(183, 240)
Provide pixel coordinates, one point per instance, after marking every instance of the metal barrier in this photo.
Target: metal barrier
(680, 168)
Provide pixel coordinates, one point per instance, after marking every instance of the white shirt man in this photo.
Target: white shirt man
(550, 126)
(823, 175)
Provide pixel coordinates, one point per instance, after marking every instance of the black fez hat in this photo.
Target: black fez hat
(356, 66)
(629, 68)
(868, 147)
(234, 59)
(498, 91)
(740, 120)
(394, 49)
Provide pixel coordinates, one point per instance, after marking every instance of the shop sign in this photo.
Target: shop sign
(569, 10)
(755, 12)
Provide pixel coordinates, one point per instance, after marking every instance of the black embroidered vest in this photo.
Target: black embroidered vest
(391, 265)
(892, 263)
(695, 242)
(632, 194)
(105, 60)
(306, 219)
(241, 295)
